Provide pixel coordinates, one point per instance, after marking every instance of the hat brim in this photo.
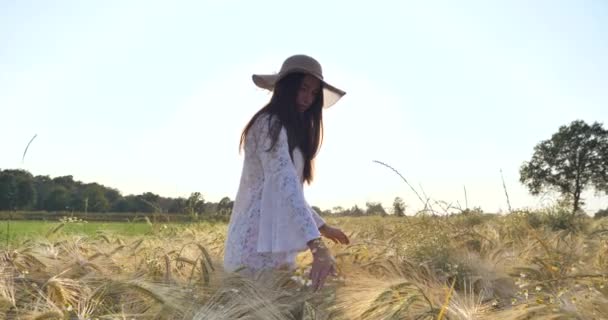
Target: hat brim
(331, 94)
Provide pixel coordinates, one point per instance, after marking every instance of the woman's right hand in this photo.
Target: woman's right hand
(323, 264)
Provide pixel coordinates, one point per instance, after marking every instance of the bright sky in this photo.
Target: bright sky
(152, 95)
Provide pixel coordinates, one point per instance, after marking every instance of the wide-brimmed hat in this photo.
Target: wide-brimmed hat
(300, 64)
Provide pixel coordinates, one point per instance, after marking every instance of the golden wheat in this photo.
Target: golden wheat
(423, 267)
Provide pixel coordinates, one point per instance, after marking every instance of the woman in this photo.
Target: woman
(271, 222)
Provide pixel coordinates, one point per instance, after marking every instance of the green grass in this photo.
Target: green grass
(21, 230)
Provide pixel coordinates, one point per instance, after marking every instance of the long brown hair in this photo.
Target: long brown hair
(304, 129)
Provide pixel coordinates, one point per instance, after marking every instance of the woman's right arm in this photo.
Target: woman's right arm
(278, 167)
(281, 174)
(323, 263)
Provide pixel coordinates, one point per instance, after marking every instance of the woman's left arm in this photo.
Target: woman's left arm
(332, 233)
(318, 219)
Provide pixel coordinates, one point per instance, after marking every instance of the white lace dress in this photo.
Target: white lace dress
(271, 221)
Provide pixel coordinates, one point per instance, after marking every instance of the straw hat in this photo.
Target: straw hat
(304, 64)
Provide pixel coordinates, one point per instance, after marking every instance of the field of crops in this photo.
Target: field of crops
(526, 265)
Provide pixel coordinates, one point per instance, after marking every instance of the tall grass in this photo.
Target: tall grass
(21, 230)
(467, 266)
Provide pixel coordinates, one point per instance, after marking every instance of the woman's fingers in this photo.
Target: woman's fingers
(319, 275)
(322, 277)
(342, 238)
(318, 278)
(315, 280)
(345, 239)
(314, 276)
(336, 235)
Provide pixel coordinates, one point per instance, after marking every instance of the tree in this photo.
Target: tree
(374, 208)
(150, 198)
(177, 206)
(148, 202)
(58, 199)
(112, 195)
(130, 203)
(8, 191)
(224, 207)
(95, 196)
(17, 190)
(44, 185)
(168, 205)
(601, 213)
(65, 181)
(195, 204)
(574, 159)
(26, 193)
(356, 211)
(123, 205)
(399, 207)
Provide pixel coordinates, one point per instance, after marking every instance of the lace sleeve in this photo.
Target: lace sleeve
(315, 215)
(286, 218)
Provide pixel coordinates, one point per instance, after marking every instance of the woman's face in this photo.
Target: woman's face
(308, 92)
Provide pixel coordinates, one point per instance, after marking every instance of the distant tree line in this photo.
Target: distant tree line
(20, 190)
(371, 209)
(573, 160)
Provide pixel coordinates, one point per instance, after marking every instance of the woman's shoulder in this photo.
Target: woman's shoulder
(266, 117)
(264, 121)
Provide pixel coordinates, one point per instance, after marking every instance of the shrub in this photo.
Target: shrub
(601, 213)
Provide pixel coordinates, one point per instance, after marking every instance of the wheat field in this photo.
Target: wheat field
(523, 265)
